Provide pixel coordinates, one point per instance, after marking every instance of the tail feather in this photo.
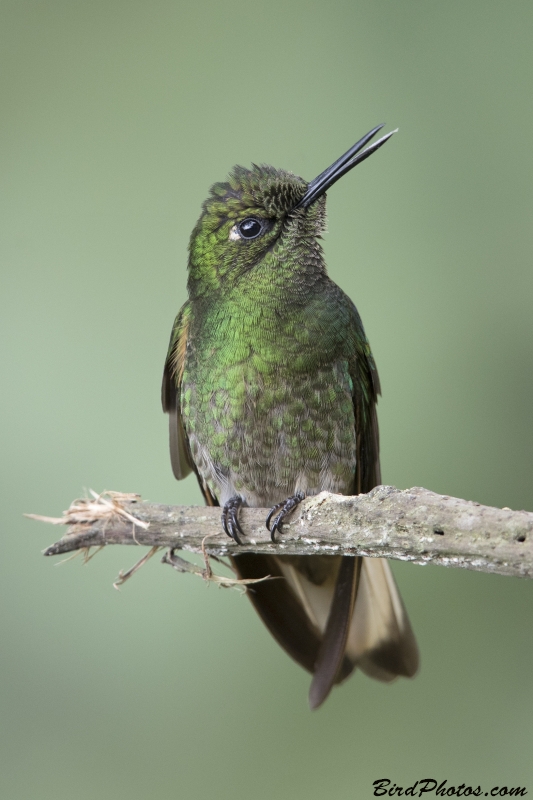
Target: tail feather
(381, 641)
(334, 614)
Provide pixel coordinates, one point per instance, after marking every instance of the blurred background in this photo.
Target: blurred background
(116, 118)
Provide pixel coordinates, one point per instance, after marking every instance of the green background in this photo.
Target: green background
(116, 118)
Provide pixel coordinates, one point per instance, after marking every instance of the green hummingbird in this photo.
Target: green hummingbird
(271, 391)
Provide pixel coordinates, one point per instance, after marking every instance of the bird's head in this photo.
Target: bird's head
(264, 215)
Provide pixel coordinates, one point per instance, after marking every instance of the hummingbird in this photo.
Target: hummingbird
(271, 391)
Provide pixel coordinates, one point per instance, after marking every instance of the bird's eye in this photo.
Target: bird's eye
(250, 228)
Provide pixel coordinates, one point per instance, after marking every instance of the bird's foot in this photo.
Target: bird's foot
(230, 518)
(280, 511)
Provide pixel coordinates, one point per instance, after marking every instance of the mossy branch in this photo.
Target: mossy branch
(411, 525)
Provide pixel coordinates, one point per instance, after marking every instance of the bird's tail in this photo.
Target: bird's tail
(332, 614)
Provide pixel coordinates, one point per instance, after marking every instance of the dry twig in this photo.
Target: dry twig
(411, 525)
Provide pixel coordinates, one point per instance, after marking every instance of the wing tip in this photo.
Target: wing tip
(332, 650)
(317, 694)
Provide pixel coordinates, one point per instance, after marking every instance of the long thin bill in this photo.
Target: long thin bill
(355, 155)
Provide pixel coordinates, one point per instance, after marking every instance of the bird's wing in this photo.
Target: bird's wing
(380, 639)
(334, 661)
(180, 454)
(367, 625)
(366, 388)
(279, 605)
(180, 457)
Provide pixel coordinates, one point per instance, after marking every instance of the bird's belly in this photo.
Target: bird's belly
(264, 437)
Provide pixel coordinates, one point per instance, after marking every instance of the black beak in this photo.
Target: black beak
(355, 155)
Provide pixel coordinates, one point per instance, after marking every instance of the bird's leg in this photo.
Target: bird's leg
(230, 517)
(280, 511)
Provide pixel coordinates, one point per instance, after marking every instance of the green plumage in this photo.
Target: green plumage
(266, 411)
(271, 388)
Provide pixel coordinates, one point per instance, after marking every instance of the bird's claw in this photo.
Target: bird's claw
(230, 518)
(280, 512)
